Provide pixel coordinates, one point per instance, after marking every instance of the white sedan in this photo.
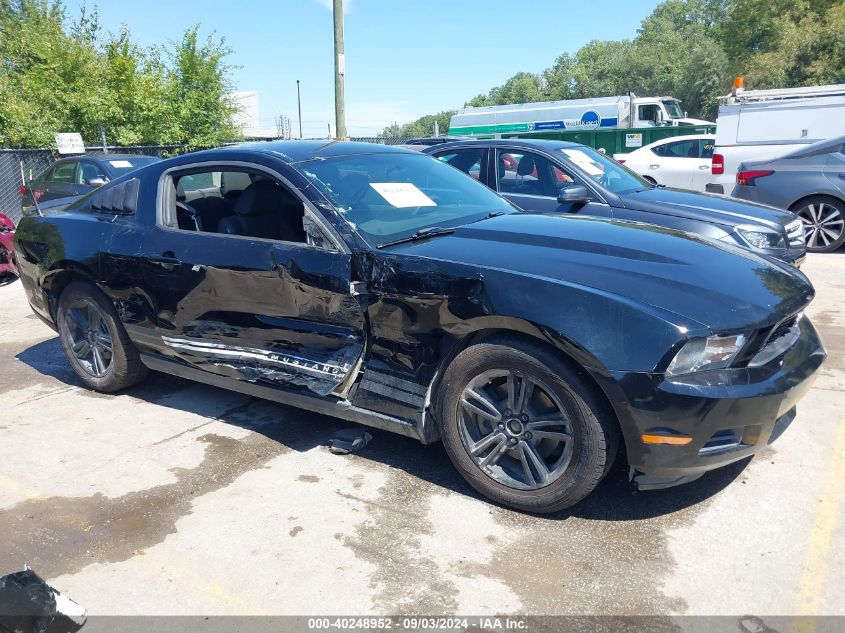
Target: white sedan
(679, 161)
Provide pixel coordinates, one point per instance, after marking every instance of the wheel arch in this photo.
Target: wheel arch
(840, 198)
(483, 331)
(59, 277)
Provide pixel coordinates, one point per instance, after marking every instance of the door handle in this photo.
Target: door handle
(703, 167)
(842, 175)
(166, 260)
(654, 166)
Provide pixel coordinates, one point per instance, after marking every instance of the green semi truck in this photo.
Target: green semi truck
(615, 124)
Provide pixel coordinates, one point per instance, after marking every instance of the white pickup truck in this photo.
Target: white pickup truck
(766, 124)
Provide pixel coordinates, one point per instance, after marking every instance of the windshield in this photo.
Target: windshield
(605, 171)
(673, 109)
(120, 166)
(391, 196)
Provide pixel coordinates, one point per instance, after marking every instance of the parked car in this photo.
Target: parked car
(810, 182)
(559, 177)
(7, 253)
(682, 161)
(381, 286)
(80, 174)
(765, 124)
(432, 140)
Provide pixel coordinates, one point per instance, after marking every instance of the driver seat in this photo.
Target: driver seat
(268, 211)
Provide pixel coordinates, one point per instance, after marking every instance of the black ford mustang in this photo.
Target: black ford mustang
(384, 287)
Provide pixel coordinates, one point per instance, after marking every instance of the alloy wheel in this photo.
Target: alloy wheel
(823, 224)
(515, 429)
(89, 337)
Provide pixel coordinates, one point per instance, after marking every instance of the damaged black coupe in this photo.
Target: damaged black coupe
(381, 286)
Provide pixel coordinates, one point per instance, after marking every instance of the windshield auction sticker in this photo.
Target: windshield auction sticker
(120, 164)
(402, 194)
(584, 162)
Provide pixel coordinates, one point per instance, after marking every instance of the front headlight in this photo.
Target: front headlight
(756, 237)
(713, 352)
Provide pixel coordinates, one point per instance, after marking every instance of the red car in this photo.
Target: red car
(7, 253)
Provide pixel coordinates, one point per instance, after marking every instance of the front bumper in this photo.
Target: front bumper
(728, 414)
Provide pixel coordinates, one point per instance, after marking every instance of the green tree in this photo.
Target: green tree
(521, 88)
(61, 75)
(692, 49)
(423, 126)
(197, 89)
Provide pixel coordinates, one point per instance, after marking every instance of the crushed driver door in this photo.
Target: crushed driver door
(251, 309)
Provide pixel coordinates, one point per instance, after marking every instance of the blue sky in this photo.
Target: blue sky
(404, 58)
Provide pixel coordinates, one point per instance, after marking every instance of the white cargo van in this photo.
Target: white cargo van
(766, 124)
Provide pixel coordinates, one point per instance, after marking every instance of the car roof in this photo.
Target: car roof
(819, 147)
(296, 151)
(682, 137)
(103, 157)
(541, 144)
(116, 156)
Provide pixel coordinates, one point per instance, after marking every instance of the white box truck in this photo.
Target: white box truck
(766, 124)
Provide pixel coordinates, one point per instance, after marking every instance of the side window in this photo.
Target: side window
(678, 149)
(193, 186)
(562, 178)
(525, 174)
(467, 160)
(63, 172)
(648, 112)
(89, 171)
(234, 202)
(707, 147)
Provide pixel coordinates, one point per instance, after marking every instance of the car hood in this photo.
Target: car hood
(715, 285)
(711, 208)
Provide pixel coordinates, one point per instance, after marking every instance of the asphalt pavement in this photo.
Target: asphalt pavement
(178, 498)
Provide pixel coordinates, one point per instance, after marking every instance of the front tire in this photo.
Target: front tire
(94, 340)
(523, 427)
(824, 223)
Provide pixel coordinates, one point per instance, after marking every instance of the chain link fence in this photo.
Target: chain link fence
(19, 166)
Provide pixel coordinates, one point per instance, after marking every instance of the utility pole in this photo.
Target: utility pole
(339, 71)
(299, 107)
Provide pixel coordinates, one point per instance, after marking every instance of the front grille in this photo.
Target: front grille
(795, 233)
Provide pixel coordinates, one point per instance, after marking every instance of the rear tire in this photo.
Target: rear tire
(523, 427)
(95, 341)
(824, 223)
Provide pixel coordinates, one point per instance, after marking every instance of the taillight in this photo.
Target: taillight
(717, 165)
(620, 160)
(38, 193)
(748, 177)
(21, 191)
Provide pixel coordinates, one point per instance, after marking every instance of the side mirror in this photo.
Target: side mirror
(574, 194)
(95, 182)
